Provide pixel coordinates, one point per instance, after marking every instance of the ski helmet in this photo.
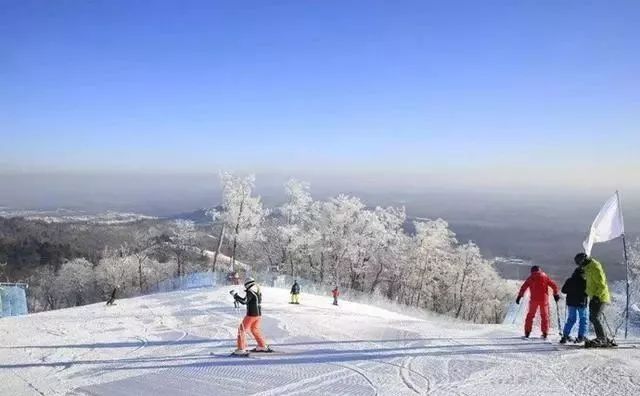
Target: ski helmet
(580, 258)
(535, 268)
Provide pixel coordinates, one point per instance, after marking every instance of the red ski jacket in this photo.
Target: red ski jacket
(538, 284)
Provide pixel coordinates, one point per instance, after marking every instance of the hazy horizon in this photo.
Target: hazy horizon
(189, 191)
(545, 227)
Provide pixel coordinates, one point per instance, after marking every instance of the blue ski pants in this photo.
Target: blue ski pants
(574, 312)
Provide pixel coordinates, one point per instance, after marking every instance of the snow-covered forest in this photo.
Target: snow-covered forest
(339, 241)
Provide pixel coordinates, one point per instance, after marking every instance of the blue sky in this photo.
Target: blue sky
(550, 88)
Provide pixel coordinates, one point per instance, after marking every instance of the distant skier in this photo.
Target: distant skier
(295, 293)
(575, 289)
(598, 292)
(335, 293)
(112, 298)
(538, 284)
(253, 319)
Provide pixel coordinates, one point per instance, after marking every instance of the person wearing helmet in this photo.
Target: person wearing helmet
(574, 288)
(598, 292)
(252, 321)
(538, 284)
(295, 293)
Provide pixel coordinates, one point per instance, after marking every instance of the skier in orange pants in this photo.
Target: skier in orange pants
(251, 322)
(538, 284)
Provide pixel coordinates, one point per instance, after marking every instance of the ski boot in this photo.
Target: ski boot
(600, 343)
(265, 349)
(580, 340)
(240, 353)
(544, 337)
(565, 339)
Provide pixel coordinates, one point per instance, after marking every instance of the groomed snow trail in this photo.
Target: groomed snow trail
(174, 344)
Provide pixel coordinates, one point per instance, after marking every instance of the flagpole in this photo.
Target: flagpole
(626, 261)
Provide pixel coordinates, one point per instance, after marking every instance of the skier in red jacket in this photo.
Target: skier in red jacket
(335, 293)
(538, 284)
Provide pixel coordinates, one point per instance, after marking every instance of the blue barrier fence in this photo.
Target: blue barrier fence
(13, 299)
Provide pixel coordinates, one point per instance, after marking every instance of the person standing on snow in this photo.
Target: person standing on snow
(295, 293)
(253, 319)
(575, 289)
(112, 299)
(538, 284)
(335, 293)
(598, 292)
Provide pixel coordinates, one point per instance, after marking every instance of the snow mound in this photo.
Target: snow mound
(177, 344)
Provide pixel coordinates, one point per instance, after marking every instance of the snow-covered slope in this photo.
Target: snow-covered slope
(176, 344)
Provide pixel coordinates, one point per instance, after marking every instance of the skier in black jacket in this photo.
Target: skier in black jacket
(575, 289)
(251, 322)
(295, 293)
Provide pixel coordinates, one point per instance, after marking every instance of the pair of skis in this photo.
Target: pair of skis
(253, 353)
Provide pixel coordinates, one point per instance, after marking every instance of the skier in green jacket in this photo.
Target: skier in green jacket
(598, 292)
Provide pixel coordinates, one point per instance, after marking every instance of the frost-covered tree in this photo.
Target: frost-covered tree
(389, 257)
(144, 244)
(75, 282)
(433, 248)
(181, 243)
(241, 213)
(634, 273)
(155, 271)
(42, 290)
(116, 269)
(296, 228)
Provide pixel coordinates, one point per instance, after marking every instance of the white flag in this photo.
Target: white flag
(608, 224)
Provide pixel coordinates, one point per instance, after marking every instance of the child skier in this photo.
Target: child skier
(335, 293)
(251, 322)
(295, 293)
(538, 284)
(575, 289)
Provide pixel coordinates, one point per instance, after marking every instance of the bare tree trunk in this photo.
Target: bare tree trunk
(462, 284)
(376, 280)
(322, 267)
(235, 235)
(140, 274)
(215, 256)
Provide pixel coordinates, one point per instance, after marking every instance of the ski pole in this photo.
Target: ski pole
(558, 317)
(606, 322)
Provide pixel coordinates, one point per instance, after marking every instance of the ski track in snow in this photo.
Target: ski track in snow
(163, 344)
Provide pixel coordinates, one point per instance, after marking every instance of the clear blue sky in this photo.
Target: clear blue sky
(406, 86)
